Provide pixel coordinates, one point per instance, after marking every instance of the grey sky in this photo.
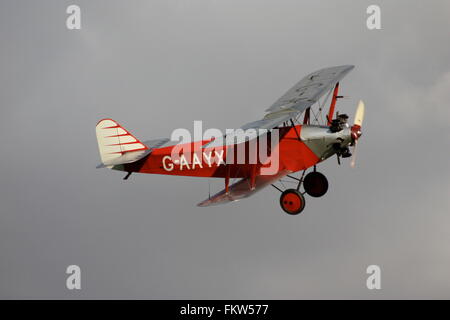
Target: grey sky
(158, 65)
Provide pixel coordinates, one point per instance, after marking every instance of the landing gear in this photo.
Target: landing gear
(292, 202)
(315, 184)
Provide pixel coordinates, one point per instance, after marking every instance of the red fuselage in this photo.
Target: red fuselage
(294, 155)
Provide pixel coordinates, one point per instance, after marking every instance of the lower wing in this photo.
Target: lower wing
(242, 189)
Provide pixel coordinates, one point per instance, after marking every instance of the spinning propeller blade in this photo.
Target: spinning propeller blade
(356, 129)
(353, 162)
(359, 116)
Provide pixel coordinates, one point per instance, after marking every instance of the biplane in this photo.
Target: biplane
(307, 135)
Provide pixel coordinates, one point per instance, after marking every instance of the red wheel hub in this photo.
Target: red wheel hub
(292, 202)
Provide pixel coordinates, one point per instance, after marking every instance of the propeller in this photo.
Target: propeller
(356, 130)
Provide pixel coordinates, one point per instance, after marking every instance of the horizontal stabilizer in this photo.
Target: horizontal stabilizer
(128, 157)
(156, 143)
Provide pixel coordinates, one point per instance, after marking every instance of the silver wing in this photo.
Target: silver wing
(300, 97)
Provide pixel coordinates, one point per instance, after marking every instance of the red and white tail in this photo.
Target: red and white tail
(117, 145)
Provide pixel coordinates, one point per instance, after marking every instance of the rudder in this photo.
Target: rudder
(116, 145)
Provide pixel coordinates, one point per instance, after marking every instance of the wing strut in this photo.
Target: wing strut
(227, 179)
(307, 116)
(253, 177)
(295, 129)
(333, 104)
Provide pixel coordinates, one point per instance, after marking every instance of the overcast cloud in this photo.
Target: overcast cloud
(158, 65)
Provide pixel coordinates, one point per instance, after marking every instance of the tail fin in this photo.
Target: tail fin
(117, 145)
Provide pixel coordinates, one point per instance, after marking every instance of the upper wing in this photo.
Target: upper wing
(241, 189)
(300, 97)
(308, 90)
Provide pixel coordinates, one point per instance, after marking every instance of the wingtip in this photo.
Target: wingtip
(204, 203)
(348, 67)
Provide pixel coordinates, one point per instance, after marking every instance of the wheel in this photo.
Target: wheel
(292, 202)
(315, 184)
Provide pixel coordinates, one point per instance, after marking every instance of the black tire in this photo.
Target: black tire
(292, 202)
(315, 184)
